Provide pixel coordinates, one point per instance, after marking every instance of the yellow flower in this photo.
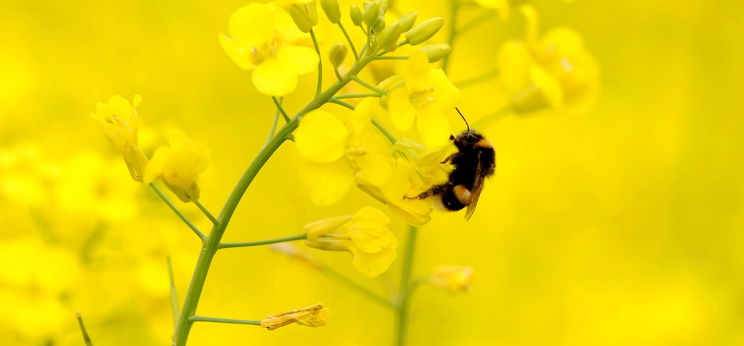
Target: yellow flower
(366, 235)
(263, 38)
(311, 316)
(422, 96)
(179, 166)
(119, 122)
(336, 152)
(553, 71)
(416, 169)
(451, 278)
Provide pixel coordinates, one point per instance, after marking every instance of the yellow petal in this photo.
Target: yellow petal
(299, 59)
(370, 232)
(272, 77)
(251, 25)
(415, 71)
(549, 86)
(514, 63)
(241, 56)
(563, 42)
(373, 264)
(321, 137)
(326, 183)
(402, 112)
(444, 92)
(433, 128)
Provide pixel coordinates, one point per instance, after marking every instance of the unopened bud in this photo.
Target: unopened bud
(435, 52)
(424, 31)
(407, 21)
(372, 14)
(388, 38)
(356, 15)
(338, 53)
(379, 24)
(305, 15)
(331, 9)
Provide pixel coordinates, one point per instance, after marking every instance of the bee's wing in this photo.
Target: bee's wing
(477, 188)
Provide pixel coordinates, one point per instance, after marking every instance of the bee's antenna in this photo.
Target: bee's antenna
(463, 118)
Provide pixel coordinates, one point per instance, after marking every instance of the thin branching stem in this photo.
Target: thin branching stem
(392, 57)
(83, 331)
(173, 294)
(342, 103)
(452, 34)
(348, 39)
(275, 122)
(318, 87)
(178, 212)
(384, 131)
(357, 287)
(262, 242)
(205, 211)
(224, 320)
(355, 96)
(281, 110)
(405, 288)
(369, 86)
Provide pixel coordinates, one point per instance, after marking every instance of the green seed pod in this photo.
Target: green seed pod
(435, 52)
(407, 21)
(388, 38)
(424, 31)
(372, 14)
(337, 54)
(331, 9)
(356, 15)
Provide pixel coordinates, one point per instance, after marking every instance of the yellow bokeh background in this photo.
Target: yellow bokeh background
(619, 226)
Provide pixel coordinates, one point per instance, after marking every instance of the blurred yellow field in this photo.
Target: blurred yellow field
(614, 216)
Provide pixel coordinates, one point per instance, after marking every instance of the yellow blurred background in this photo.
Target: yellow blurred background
(621, 226)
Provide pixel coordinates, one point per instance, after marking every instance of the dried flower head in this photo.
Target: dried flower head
(311, 316)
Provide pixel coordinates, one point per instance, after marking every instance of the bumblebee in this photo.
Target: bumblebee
(474, 161)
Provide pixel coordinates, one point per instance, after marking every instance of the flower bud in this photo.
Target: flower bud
(331, 9)
(372, 14)
(388, 38)
(379, 25)
(337, 54)
(356, 15)
(407, 21)
(305, 15)
(435, 52)
(424, 31)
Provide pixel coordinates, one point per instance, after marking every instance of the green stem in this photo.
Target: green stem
(275, 122)
(342, 103)
(173, 295)
(178, 212)
(348, 39)
(357, 287)
(391, 57)
(83, 331)
(478, 79)
(206, 212)
(454, 8)
(319, 87)
(384, 131)
(369, 86)
(279, 107)
(223, 320)
(211, 244)
(355, 96)
(262, 242)
(405, 288)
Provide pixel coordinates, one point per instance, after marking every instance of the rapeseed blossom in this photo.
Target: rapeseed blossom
(453, 279)
(311, 316)
(337, 151)
(422, 96)
(263, 38)
(179, 166)
(119, 122)
(366, 235)
(554, 70)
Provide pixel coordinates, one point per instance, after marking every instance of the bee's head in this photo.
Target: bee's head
(466, 139)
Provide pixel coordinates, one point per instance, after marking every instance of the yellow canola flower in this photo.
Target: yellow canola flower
(415, 170)
(179, 166)
(119, 122)
(311, 316)
(366, 235)
(453, 279)
(263, 38)
(553, 71)
(421, 95)
(337, 151)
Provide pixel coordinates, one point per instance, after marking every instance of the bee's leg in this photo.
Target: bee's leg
(463, 194)
(449, 158)
(434, 190)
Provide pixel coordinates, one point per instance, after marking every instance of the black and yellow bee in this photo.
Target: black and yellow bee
(474, 161)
